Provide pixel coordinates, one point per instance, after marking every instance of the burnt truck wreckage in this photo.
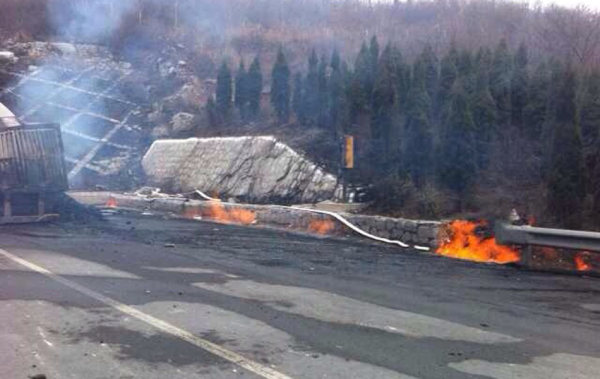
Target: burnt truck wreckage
(32, 169)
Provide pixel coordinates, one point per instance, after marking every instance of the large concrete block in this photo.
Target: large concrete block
(255, 169)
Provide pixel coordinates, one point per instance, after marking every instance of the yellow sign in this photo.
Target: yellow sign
(349, 151)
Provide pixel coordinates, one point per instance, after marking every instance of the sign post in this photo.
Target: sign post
(348, 162)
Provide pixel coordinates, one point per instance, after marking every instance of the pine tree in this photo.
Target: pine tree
(448, 77)
(280, 88)
(484, 117)
(254, 85)
(298, 98)
(384, 97)
(311, 90)
(212, 114)
(374, 58)
(336, 93)
(418, 149)
(483, 59)
(466, 72)
(457, 167)
(241, 90)
(590, 111)
(224, 89)
(566, 177)
(590, 136)
(500, 82)
(323, 94)
(430, 64)
(363, 81)
(594, 179)
(535, 113)
(519, 85)
(402, 77)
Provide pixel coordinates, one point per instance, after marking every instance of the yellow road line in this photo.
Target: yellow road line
(255, 367)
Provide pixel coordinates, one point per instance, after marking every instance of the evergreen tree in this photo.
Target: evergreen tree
(484, 117)
(431, 70)
(465, 66)
(336, 92)
(224, 89)
(212, 114)
(280, 88)
(402, 77)
(374, 58)
(466, 72)
(418, 135)
(362, 85)
(590, 111)
(241, 90)
(384, 97)
(500, 82)
(448, 77)
(457, 166)
(323, 94)
(536, 109)
(595, 187)
(297, 98)
(519, 85)
(254, 86)
(590, 136)
(566, 177)
(311, 90)
(483, 59)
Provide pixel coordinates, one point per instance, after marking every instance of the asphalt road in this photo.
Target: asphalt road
(142, 297)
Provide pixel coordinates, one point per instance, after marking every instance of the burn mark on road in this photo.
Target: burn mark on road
(151, 348)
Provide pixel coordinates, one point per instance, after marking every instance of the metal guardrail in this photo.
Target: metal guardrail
(558, 238)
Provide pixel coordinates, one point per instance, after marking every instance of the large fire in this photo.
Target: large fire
(581, 261)
(321, 226)
(463, 242)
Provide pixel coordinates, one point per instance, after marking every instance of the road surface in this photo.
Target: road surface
(147, 297)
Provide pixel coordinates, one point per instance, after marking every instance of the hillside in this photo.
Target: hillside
(468, 108)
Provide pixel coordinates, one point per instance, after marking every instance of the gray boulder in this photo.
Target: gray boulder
(254, 169)
(182, 122)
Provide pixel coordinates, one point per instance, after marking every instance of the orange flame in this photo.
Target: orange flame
(111, 202)
(464, 243)
(581, 261)
(218, 212)
(321, 226)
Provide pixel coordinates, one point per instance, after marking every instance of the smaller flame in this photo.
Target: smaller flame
(111, 202)
(464, 243)
(581, 261)
(321, 226)
(218, 212)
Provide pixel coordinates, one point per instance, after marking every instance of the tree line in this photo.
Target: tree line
(452, 123)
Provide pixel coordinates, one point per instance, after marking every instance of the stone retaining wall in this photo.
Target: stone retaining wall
(412, 232)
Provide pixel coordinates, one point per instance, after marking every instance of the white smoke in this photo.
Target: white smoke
(91, 21)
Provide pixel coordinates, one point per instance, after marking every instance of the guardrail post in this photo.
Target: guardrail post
(527, 256)
(7, 205)
(41, 204)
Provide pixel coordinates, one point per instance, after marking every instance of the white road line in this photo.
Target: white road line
(255, 367)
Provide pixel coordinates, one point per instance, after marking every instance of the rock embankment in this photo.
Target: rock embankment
(252, 169)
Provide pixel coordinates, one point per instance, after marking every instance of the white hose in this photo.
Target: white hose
(204, 196)
(360, 231)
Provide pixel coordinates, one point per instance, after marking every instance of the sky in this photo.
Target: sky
(592, 4)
